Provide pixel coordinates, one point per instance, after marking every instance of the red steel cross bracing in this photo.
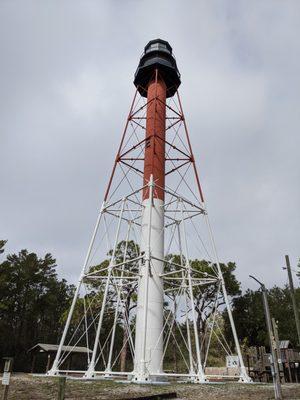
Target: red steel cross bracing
(152, 145)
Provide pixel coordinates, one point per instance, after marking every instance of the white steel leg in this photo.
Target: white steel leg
(91, 369)
(243, 373)
(108, 367)
(192, 372)
(200, 373)
(54, 369)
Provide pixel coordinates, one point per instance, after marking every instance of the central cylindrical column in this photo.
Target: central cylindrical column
(149, 318)
(155, 138)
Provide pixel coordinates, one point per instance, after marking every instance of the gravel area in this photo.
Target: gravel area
(28, 387)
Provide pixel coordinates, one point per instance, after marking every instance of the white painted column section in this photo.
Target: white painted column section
(149, 318)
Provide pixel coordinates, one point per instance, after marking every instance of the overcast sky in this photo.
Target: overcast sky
(66, 76)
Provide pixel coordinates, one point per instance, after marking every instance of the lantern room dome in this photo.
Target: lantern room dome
(157, 55)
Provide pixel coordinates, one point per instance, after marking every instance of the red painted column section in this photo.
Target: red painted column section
(155, 138)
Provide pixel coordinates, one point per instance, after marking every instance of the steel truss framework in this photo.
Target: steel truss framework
(102, 313)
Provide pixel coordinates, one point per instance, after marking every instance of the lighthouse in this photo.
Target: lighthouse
(152, 258)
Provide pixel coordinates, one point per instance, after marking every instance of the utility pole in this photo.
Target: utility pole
(292, 291)
(274, 361)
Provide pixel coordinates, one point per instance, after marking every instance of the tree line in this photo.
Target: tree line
(34, 303)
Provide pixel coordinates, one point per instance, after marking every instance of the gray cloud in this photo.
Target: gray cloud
(66, 84)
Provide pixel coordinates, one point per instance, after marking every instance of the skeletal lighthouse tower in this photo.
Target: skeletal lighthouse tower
(147, 301)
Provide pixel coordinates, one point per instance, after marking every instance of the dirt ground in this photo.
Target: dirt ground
(27, 387)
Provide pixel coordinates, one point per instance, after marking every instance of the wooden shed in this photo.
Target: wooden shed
(50, 351)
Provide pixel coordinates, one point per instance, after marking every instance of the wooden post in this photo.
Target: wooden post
(296, 373)
(69, 362)
(5, 392)
(33, 362)
(6, 375)
(277, 349)
(287, 358)
(61, 388)
(248, 364)
(262, 351)
(48, 362)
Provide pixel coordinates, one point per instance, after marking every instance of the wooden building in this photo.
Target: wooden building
(45, 354)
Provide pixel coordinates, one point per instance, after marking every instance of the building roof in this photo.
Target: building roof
(45, 347)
